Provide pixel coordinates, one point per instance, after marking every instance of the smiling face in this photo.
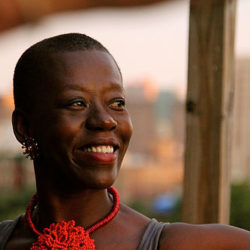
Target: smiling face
(80, 119)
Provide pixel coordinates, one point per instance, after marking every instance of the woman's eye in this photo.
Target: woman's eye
(78, 104)
(118, 104)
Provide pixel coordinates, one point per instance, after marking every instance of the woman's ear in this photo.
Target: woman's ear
(20, 125)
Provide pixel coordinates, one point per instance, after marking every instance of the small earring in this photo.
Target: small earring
(30, 148)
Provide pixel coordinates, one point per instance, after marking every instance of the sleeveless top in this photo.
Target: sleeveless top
(149, 241)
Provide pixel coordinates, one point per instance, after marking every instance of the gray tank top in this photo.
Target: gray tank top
(149, 241)
(6, 229)
(151, 236)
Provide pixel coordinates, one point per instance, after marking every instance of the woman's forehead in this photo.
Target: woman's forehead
(89, 61)
(81, 70)
(82, 60)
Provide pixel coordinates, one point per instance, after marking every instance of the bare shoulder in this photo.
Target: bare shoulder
(124, 231)
(207, 236)
(132, 217)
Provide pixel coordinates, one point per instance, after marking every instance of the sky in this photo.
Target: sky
(148, 42)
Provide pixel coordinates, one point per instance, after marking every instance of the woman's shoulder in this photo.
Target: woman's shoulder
(127, 228)
(205, 236)
(145, 231)
(132, 215)
(6, 229)
(131, 220)
(8, 226)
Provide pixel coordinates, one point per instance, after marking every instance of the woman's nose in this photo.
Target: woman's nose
(100, 119)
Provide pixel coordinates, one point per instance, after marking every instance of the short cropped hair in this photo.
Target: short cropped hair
(29, 67)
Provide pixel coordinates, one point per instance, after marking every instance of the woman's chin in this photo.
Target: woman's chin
(74, 174)
(95, 180)
(100, 181)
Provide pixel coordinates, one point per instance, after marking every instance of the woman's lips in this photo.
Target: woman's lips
(98, 153)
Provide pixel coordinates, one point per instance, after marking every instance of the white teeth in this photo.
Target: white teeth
(100, 149)
(104, 149)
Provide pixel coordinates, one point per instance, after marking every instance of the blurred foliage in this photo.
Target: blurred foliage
(240, 205)
(14, 202)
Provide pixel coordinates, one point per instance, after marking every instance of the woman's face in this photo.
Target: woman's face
(81, 121)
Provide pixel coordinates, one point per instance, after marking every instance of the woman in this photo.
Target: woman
(71, 118)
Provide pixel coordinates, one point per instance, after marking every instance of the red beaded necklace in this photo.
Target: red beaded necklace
(65, 235)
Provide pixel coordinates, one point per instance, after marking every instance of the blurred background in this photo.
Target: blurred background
(149, 40)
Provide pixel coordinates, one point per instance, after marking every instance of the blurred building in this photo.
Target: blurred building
(4, 108)
(8, 142)
(241, 121)
(140, 103)
(154, 162)
(158, 121)
(15, 170)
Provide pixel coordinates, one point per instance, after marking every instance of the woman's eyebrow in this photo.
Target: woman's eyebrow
(115, 86)
(80, 87)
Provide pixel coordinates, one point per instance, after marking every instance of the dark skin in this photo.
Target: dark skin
(82, 103)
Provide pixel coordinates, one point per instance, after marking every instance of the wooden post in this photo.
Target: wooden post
(209, 111)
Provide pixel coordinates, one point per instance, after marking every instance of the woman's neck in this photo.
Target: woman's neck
(85, 207)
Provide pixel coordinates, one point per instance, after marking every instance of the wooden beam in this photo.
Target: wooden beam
(17, 12)
(209, 111)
